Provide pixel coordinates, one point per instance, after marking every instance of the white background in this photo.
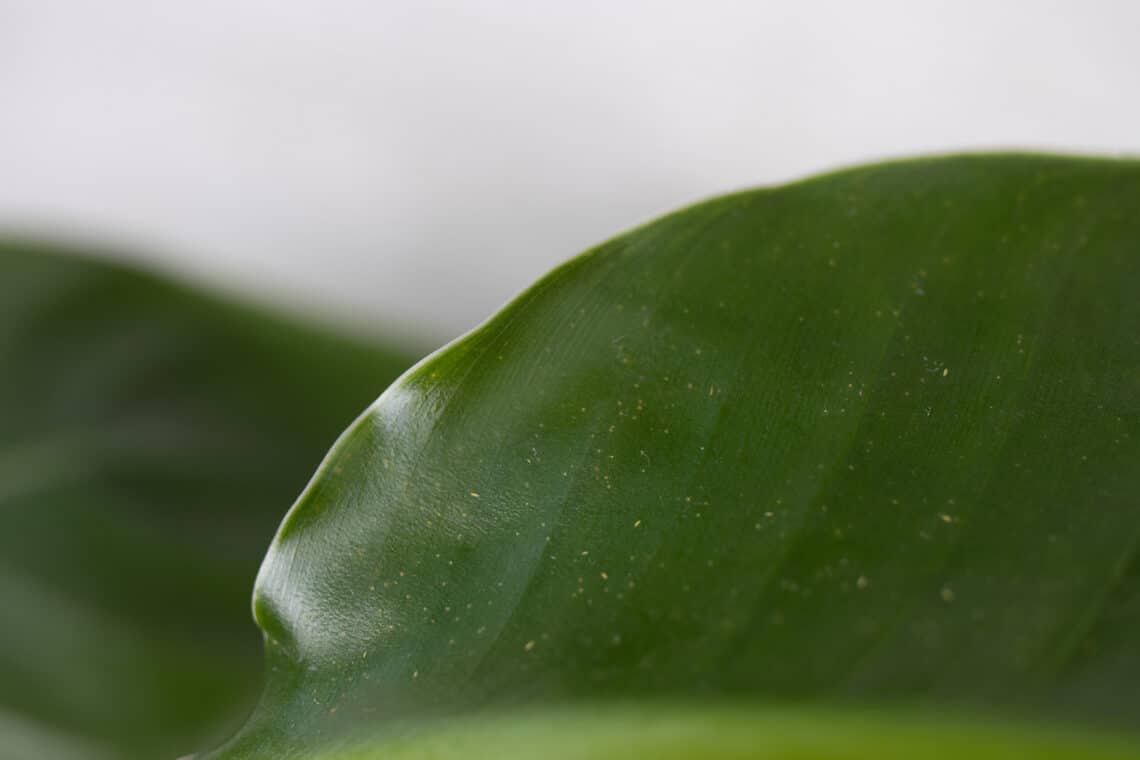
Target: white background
(406, 167)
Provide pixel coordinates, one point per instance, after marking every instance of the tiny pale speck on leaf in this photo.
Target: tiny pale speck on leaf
(945, 372)
(529, 646)
(475, 495)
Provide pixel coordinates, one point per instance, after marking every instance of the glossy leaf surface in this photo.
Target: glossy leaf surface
(872, 438)
(150, 438)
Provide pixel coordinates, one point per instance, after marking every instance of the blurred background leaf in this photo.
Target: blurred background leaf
(151, 438)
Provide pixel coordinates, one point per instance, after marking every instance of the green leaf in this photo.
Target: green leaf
(872, 439)
(149, 438)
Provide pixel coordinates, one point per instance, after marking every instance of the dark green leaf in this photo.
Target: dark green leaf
(149, 440)
(869, 439)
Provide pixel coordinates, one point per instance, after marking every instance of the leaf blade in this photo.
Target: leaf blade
(865, 438)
